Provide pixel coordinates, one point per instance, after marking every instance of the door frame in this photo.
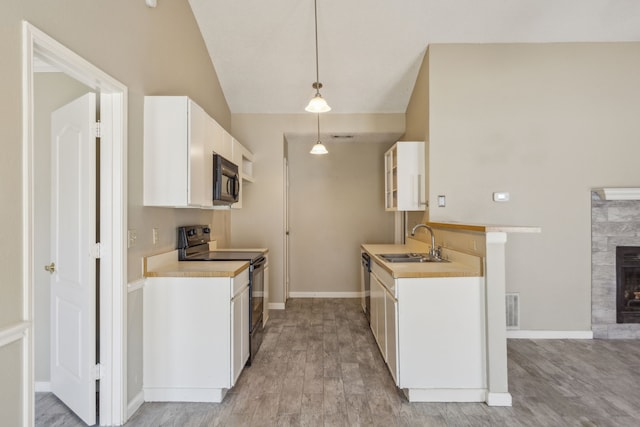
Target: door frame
(113, 220)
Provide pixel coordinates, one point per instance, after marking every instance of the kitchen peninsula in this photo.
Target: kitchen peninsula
(441, 326)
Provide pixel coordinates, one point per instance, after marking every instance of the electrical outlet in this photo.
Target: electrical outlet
(132, 236)
(154, 233)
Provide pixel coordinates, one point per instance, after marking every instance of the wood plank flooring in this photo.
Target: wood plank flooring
(319, 366)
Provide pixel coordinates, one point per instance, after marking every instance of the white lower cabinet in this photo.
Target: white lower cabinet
(195, 336)
(431, 334)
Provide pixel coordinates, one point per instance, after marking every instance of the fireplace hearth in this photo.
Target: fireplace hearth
(628, 284)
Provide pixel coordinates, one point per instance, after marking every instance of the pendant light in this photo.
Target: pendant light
(317, 103)
(318, 147)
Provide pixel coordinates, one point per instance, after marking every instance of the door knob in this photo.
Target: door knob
(50, 268)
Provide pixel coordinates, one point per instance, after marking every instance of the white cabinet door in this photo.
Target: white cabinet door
(391, 313)
(245, 326)
(197, 166)
(405, 180)
(224, 145)
(240, 333)
(378, 314)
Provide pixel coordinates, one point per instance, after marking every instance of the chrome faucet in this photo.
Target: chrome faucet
(434, 253)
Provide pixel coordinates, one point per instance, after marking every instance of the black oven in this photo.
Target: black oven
(226, 182)
(193, 245)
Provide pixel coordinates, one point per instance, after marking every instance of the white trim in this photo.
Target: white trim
(42, 387)
(113, 219)
(356, 294)
(550, 335)
(13, 333)
(499, 399)
(618, 193)
(136, 285)
(186, 394)
(135, 404)
(445, 394)
(276, 306)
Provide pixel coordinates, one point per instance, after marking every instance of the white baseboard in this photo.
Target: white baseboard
(186, 394)
(356, 294)
(42, 386)
(276, 306)
(550, 335)
(445, 395)
(499, 399)
(135, 404)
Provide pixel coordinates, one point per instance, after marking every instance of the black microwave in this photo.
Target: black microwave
(226, 182)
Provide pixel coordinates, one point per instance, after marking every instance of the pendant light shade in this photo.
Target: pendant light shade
(318, 147)
(317, 103)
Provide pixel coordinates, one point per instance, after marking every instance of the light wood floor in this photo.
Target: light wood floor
(319, 366)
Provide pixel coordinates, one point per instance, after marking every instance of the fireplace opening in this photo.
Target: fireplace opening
(628, 284)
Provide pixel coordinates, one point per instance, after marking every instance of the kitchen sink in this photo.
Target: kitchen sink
(410, 257)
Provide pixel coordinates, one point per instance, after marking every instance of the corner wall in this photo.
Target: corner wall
(546, 123)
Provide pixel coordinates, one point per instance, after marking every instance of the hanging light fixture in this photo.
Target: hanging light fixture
(317, 103)
(318, 147)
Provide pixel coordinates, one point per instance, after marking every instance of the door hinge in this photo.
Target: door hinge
(97, 250)
(98, 130)
(97, 372)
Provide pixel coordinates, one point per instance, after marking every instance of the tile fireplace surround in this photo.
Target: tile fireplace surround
(613, 223)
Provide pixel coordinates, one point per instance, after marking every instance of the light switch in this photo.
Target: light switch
(442, 201)
(501, 196)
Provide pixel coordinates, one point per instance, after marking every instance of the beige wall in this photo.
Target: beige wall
(151, 51)
(545, 122)
(261, 220)
(336, 203)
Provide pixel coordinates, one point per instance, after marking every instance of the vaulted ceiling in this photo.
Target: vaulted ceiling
(370, 50)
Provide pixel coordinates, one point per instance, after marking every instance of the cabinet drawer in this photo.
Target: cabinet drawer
(385, 278)
(240, 281)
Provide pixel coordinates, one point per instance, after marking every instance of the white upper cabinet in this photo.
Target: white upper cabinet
(405, 184)
(177, 157)
(244, 159)
(179, 141)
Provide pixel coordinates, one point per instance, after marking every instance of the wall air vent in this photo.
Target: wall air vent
(512, 302)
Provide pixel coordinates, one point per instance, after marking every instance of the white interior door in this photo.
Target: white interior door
(73, 269)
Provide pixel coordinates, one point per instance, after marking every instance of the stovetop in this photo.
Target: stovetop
(193, 245)
(224, 256)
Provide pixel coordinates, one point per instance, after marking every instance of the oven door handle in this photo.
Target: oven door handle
(258, 263)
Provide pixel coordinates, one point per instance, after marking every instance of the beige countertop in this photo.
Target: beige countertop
(485, 228)
(454, 268)
(167, 265)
